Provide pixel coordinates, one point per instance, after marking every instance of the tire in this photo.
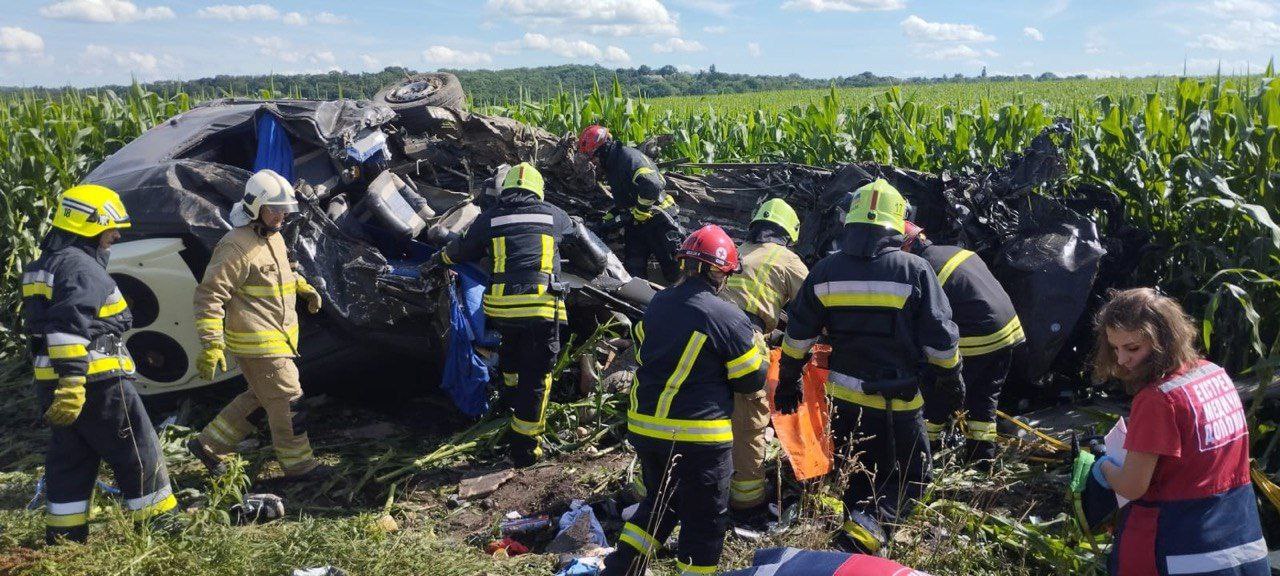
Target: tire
(409, 98)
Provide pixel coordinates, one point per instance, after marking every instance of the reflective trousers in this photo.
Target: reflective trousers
(984, 377)
(685, 485)
(886, 485)
(750, 418)
(525, 357)
(274, 389)
(657, 238)
(114, 427)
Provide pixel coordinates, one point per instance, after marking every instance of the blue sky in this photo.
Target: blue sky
(89, 42)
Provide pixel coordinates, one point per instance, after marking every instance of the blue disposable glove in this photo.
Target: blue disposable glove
(1097, 470)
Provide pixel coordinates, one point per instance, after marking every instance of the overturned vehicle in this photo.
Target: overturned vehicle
(383, 184)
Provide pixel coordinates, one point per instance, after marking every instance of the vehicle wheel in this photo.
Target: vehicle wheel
(409, 98)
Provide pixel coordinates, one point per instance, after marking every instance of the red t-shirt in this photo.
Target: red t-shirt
(1196, 424)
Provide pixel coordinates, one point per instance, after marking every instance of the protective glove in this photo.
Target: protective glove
(1097, 470)
(1080, 470)
(259, 508)
(68, 401)
(774, 339)
(949, 388)
(211, 360)
(787, 397)
(309, 295)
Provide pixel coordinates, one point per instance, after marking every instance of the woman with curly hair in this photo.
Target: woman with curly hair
(1186, 471)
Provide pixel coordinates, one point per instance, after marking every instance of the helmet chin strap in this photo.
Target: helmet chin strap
(263, 230)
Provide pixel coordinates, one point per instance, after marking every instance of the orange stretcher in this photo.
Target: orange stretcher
(806, 434)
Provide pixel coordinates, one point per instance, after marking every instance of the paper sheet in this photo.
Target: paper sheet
(1114, 441)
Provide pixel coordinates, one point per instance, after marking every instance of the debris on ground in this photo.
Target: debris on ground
(510, 545)
(258, 508)
(579, 530)
(481, 486)
(320, 571)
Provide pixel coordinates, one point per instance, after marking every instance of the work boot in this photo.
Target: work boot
(212, 462)
(862, 534)
(524, 451)
(755, 518)
(319, 473)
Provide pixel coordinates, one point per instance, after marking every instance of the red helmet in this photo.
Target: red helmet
(592, 138)
(710, 245)
(911, 234)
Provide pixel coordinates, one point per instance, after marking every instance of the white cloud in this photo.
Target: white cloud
(369, 61)
(1241, 35)
(562, 47)
(1056, 7)
(919, 29)
(1033, 34)
(595, 17)
(678, 45)
(1198, 66)
(753, 48)
(686, 68)
(616, 55)
(715, 29)
(1241, 9)
(143, 65)
(330, 18)
(17, 44)
(960, 52)
(234, 12)
(295, 19)
(104, 11)
(1094, 42)
(717, 7)
(276, 48)
(324, 57)
(844, 5)
(444, 56)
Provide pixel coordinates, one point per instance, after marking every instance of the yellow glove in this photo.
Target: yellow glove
(68, 400)
(309, 295)
(210, 362)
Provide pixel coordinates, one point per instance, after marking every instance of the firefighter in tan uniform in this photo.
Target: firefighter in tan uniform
(245, 306)
(771, 276)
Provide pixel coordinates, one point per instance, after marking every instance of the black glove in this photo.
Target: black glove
(787, 397)
(774, 339)
(949, 389)
(258, 508)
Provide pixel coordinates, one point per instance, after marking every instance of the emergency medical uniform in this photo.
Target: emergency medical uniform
(522, 235)
(695, 352)
(771, 276)
(74, 316)
(1199, 515)
(246, 305)
(989, 332)
(638, 196)
(885, 316)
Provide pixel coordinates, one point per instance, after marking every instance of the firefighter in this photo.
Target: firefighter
(74, 316)
(885, 317)
(522, 234)
(771, 276)
(989, 332)
(641, 207)
(695, 352)
(245, 306)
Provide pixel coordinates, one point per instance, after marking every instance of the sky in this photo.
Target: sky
(94, 42)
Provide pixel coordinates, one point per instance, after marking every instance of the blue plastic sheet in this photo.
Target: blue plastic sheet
(465, 377)
(274, 151)
(577, 511)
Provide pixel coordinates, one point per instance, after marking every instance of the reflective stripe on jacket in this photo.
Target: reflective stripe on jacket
(248, 296)
(771, 277)
(695, 352)
(634, 180)
(980, 306)
(73, 312)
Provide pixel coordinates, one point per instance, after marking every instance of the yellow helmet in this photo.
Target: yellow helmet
(779, 212)
(523, 176)
(89, 210)
(879, 204)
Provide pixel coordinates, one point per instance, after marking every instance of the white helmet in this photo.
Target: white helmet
(265, 188)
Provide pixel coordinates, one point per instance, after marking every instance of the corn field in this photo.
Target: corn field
(1194, 160)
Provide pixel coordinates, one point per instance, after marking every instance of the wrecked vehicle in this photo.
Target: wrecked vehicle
(380, 189)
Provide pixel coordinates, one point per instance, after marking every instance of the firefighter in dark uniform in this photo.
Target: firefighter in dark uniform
(695, 352)
(989, 332)
(74, 316)
(886, 319)
(521, 234)
(646, 213)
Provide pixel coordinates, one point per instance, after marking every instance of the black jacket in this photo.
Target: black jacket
(695, 351)
(979, 305)
(73, 313)
(521, 234)
(882, 310)
(633, 178)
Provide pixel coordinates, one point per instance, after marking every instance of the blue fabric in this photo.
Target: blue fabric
(581, 567)
(474, 282)
(274, 151)
(570, 517)
(465, 377)
(1220, 535)
(792, 562)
